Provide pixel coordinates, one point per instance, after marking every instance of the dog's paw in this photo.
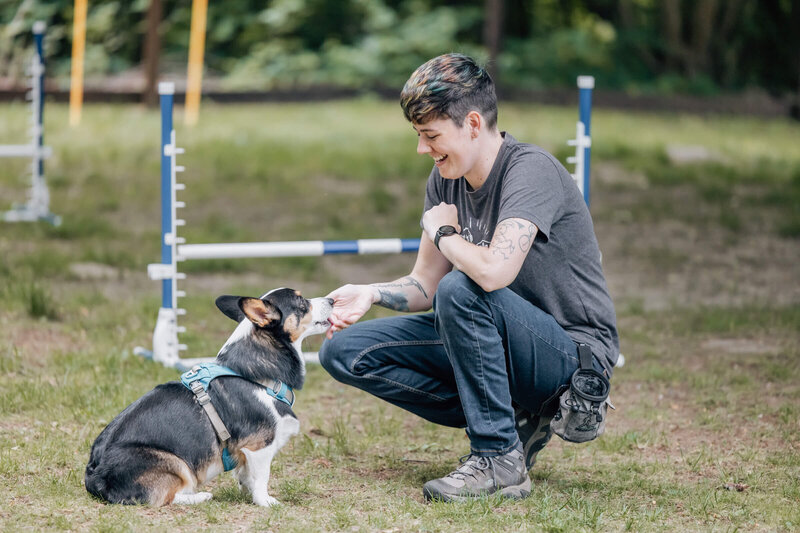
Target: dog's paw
(191, 499)
(266, 501)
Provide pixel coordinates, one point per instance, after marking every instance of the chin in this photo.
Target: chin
(449, 175)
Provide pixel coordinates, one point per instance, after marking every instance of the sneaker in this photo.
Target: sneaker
(481, 476)
(534, 432)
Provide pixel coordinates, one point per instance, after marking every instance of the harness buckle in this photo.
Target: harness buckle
(193, 372)
(200, 393)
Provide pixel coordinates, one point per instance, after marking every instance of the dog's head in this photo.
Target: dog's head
(282, 312)
(271, 327)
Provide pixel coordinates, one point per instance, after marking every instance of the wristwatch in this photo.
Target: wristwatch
(443, 231)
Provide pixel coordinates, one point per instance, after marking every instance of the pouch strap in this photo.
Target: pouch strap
(585, 354)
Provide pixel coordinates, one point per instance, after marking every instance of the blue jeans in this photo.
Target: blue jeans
(462, 365)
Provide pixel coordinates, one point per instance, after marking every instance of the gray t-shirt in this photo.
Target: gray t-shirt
(562, 274)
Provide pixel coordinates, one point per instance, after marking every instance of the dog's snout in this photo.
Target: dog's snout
(329, 300)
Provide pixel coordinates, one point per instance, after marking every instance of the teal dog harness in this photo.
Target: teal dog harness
(197, 380)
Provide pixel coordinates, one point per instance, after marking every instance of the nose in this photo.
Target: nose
(329, 300)
(422, 146)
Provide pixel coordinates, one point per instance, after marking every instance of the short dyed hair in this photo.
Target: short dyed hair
(451, 86)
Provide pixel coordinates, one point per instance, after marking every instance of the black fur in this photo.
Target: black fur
(229, 305)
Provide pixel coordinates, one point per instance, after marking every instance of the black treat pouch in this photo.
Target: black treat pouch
(582, 407)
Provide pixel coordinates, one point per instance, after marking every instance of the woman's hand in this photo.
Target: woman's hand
(350, 303)
(438, 216)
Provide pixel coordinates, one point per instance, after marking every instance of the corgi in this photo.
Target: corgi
(165, 445)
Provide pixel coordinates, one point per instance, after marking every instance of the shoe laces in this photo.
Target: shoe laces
(471, 465)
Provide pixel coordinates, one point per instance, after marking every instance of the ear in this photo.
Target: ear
(474, 121)
(229, 305)
(260, 312)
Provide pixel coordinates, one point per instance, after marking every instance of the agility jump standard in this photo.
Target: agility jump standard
(166, 347)
(38, 204)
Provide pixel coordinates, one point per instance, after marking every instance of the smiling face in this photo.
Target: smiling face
(450, 146)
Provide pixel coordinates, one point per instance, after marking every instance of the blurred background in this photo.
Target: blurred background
(695, 199)
(332, 47)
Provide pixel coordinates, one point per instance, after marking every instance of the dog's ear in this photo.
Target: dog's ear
(260, 312)
(229, 305)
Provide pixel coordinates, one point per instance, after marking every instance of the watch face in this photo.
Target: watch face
(447, 230)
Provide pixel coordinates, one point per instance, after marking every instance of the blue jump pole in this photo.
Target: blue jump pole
(38, 37)
(166, 93)
(353, 247)
(585, 87)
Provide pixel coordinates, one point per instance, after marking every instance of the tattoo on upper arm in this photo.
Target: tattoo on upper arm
(504, 234)
(501, 242)
(526, 240)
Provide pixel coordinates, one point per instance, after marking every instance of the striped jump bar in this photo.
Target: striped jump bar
(295, 248)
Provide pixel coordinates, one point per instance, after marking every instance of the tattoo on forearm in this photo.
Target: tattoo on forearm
(407, 281)
(393, 300)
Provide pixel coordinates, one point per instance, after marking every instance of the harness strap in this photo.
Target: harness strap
(585, 354)
(205, 402)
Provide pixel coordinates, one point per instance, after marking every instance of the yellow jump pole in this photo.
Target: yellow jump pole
(197, 43)
(76, 76)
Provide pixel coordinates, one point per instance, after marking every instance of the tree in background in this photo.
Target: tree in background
(698, 46)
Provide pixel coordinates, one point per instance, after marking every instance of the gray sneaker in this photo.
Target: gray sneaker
(534, 432)
(481, 476)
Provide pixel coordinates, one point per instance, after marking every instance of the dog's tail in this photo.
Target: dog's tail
(93, 478)
(95, 484)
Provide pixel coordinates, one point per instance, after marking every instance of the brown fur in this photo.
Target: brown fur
(169, 477)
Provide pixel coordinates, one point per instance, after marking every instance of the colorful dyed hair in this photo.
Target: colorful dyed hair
(451, 86)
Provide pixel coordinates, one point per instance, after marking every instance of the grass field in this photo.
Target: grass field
(701, 257)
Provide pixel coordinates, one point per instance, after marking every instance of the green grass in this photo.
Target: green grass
(701, 260)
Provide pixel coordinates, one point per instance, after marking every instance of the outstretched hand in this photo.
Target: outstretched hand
(350, 303)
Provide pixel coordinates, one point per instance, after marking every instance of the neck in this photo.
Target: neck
(488, 145)
(274, 363)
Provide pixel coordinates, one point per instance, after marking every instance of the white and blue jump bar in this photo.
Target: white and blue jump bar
(296, 248)
(166, 348)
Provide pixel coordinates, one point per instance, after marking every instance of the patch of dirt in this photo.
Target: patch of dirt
(666, 261)
(740, 346)
(37, 344)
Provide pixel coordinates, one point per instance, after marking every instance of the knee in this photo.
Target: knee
(332, 356)
(455, 290)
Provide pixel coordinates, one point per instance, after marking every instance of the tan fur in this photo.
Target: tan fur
(169, 477)
(202, 472)
(253, 442)
(295, 328)
(258, 312)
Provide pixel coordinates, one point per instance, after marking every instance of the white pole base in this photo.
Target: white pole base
(26, 213)
(165, 337)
